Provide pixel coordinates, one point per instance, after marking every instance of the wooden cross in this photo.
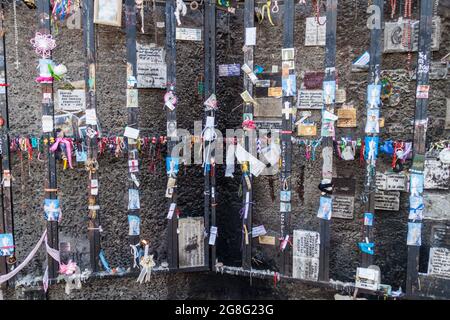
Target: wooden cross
(287, 110)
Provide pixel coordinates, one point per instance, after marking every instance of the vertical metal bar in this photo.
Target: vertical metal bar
(43, 11)
(133, 113)
(327, 141)
(171, 116)
(6, 219)
(420, 124)
(249, 22)
(92, 143)
(286, 134)
(374, 79)
(210, 88)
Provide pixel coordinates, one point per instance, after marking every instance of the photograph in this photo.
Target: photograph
(108, 12)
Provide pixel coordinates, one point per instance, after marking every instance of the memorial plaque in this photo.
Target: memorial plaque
(191, 250)
(436, 206)
(267, 108)
(439, 262)
(343, 207)
(71, 100)
(396, 182)
(306, 251)
(346, 117)
(151, 66)
(315, 33)
(310, 99)
(313, 80)
(436, 175)
(229, 70)
(438, 71)
(341, 96)
(189, 34)
(387, 200)
(393, 33)
(440, 235)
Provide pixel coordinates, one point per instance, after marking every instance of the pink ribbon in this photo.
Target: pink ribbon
(68, 269)
(68, 144)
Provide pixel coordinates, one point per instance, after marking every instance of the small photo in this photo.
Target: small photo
(415, 208)
(373, 121)
(368, 219)
(285, 195)
(133, 199)
(285, 207)
(288, 54)
(51, 209)
(134, 225)
(289, 85)
(329, 92)
(371, 148)
(172, 129)
(325, 208)
(414, 234)
(373, 95)
(65, 123)
(108, 12)
(416, 184)
(6, 245)
(172, 165)
(290, 65)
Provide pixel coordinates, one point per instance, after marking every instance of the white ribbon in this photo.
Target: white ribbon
(30, 256)
(147, 264)
(135, 253)
(181, 8)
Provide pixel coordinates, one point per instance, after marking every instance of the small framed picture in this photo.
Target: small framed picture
(287, 54)
(6, 244)
(108, 12)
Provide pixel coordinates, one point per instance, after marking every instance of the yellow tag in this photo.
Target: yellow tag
(269, 240)
(346, 117)
(275, 92)
(381, 122)
(306, 129)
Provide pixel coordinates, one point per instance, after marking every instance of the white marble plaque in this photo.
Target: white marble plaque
(387, 200)
(439, 262)
(191, 242)
(315, 33)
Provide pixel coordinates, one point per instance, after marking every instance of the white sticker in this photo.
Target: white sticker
(171, 210)
(258, 231)
(250, 36)
(212, 236)
(91, 117)
(131, 133)
(47, 123)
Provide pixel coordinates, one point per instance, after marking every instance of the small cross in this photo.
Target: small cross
(287, 110)
(17, 63)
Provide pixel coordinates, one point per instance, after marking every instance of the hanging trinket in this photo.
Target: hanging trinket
(181, 8)
(43, 44)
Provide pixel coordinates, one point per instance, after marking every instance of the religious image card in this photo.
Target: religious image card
(414, 234)
(51, 209)
(134, 225)
(6, 244)
(133, 199)
(325, 208)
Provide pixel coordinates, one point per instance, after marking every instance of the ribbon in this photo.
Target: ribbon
(147, 264)
(181, 8)
(104, 262)
(135, 253)
(30, 256)
(68, 144)
(68, 269)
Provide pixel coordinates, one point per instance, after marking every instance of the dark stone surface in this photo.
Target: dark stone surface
(25, 118)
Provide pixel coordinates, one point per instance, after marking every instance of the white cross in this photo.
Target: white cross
(287, 110)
